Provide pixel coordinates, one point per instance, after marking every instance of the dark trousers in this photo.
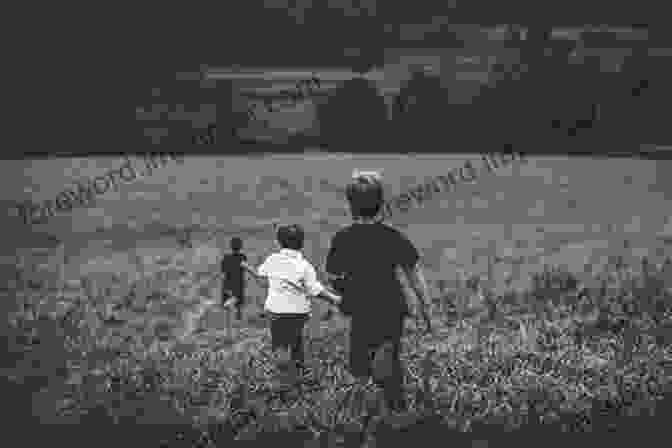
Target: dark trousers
(227, 293)
(287, 333)
(366, 340)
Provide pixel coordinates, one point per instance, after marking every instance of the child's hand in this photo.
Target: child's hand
(336, 299)
(328, 315)
(245, 265)
(331, 312)
(230, 302)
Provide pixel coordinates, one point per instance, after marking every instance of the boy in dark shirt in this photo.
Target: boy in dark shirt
(233, 284)
(362, 264)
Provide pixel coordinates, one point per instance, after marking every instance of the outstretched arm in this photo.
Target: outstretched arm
(330, 297)
(262, 280)
(325, 294)
(317, 289)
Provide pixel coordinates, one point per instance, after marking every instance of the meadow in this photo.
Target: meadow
(569, 331)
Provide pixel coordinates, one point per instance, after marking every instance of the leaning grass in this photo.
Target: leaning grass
(564, 358)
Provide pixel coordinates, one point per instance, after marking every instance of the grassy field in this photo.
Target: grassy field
(575, 212)
(555, 211)
(561, 208)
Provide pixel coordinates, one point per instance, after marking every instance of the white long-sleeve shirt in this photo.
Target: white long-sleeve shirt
(289, 265)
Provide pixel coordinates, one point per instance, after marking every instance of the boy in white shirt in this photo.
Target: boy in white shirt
(291, 280)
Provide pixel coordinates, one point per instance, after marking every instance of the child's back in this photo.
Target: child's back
(284, 268)
(232, 270)
(367, 255)
(234, 278)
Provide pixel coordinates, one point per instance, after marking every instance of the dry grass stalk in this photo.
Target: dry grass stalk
(461, 297)
(528, 335)
(192, 318)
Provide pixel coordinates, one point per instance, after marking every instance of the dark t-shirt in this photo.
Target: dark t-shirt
(367, 255)
(234, 278)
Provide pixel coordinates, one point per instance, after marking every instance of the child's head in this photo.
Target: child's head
(365, 195)
(236, 244)
(290, 236)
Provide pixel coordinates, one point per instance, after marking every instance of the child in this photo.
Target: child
(233, 284)
(290, 280)
(367, 253)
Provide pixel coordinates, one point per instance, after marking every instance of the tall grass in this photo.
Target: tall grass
(562, 357)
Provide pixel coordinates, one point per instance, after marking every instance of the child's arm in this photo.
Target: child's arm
(325, 294)
(333, 302)
(318, 290)
(330, 297)
(262, 280)
(230, 302)
(336, 282)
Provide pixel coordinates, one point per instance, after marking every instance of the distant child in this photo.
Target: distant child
(291, 279)
(233, 284)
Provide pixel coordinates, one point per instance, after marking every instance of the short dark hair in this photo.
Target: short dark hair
(291, 236)
(365, 196)
(236, 244)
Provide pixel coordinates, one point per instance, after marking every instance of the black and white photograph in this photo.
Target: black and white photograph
(360, 226)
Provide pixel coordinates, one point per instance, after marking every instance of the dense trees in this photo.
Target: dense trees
(422, 111)
(353, 118)
(646, 85)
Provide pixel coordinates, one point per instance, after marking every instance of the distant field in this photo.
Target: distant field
(574, 211)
